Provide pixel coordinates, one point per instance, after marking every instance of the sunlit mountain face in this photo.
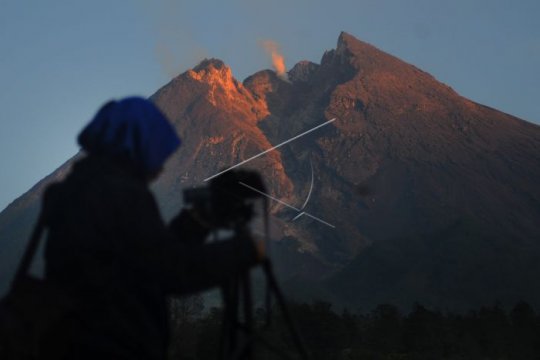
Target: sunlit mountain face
(384, 185)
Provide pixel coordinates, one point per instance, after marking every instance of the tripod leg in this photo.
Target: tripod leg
(267, 266)
(225, 323)
(248, 315)
(228, 342)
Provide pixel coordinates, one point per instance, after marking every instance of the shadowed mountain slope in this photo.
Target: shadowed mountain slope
(422, 195)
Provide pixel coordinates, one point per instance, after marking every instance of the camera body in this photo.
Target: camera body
(227, 202)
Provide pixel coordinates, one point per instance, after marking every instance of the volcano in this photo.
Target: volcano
(404, 191)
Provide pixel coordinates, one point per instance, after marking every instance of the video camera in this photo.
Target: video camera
(227, 202)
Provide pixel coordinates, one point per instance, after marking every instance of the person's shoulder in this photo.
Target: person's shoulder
(52, 193)
(116, 181)
(97, 179)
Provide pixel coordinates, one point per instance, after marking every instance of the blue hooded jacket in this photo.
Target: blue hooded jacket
(132, 129)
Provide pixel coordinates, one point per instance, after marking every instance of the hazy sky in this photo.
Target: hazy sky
(60, 60)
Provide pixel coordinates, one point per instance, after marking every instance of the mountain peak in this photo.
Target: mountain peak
(213, 71)
(218, 76)
(302, 71)
(363, 54)
(209, 64)
(383, 80)
(344, 39)
(266, 78)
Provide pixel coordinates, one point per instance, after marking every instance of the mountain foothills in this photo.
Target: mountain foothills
(423, 195)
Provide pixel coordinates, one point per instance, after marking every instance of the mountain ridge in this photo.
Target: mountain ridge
(407, 161)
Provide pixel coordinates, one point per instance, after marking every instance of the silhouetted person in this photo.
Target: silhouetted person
(109, 248)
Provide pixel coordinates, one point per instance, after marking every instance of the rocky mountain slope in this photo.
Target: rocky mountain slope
(422, 195)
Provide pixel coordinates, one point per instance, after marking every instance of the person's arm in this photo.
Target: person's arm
(177, 266)
(190, 227)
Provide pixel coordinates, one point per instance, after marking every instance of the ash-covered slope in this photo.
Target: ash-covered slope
(423, 195)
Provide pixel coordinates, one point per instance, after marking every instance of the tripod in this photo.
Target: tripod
(238, 333)
(227, 204)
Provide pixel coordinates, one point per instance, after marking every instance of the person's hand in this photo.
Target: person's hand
(190, 227)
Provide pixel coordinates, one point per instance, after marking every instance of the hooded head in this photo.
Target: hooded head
(131, 129)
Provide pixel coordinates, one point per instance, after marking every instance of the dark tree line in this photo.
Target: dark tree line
(383, 333)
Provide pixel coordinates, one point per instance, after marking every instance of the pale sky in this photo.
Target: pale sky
(60, 60)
